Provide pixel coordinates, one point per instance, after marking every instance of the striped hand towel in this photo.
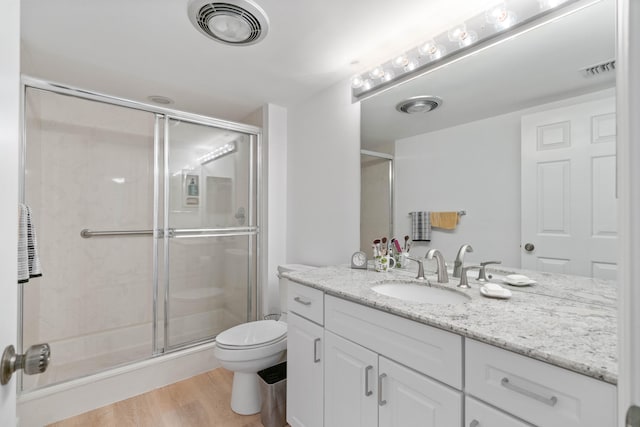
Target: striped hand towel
(28, 259)
(420, 226)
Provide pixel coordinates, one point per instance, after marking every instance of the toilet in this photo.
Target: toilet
(250, 347)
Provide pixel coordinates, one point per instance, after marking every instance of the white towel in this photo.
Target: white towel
(420, 226)
(28, 259)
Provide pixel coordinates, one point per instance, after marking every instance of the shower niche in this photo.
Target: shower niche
(189, 270)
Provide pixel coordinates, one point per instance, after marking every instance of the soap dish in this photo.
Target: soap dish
(492, 290)
(518, 280)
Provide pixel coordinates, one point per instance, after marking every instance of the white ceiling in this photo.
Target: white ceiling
(133, 49)
(540, 66)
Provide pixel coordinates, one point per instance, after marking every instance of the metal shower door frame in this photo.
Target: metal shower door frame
(166, 233)
(162, 115)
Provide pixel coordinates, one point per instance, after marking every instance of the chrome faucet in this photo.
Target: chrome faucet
(482, 274)
(420, 275)
(443, 277)
(464, 282)
(457, 265)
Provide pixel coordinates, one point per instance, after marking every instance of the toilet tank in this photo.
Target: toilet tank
(284, 283)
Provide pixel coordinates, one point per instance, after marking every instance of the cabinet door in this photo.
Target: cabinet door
(304, 373)
(410, 399)
(350, 384)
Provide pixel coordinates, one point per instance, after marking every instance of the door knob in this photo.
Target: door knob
(529, 247)
(34, 361)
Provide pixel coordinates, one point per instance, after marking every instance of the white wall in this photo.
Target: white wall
(473, 167)
(9, 136)
(323, 181)
(275, 138)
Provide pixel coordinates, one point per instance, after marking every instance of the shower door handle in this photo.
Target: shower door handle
(34, 361)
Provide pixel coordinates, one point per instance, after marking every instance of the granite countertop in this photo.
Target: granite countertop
(568, 321)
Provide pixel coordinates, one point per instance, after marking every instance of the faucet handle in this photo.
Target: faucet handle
(482, 275)
(464, 283)
(420, 275)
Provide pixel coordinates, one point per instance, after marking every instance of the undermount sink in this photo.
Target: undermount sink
(421, 293)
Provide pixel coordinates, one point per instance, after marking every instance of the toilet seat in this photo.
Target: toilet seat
(252, 335)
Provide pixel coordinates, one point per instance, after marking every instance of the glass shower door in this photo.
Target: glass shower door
(88, 166)
(210, 231)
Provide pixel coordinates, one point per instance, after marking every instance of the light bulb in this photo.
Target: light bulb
(367, 84)
(376, 73)
(432, 50)
(388, 75)
(500, 17)
(400, 61)
(357, 81)
(463, 36)
(412, 65)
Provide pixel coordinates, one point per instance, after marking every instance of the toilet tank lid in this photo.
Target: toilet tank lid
(253, 333)
(294, 267)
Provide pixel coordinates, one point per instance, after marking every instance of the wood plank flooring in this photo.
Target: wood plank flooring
(201, 401)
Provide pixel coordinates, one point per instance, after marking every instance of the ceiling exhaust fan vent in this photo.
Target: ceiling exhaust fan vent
(233, 22)
(419, 104)
(603, 68)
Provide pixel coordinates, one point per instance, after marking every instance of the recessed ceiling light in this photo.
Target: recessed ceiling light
(159, 99)
(419, 104)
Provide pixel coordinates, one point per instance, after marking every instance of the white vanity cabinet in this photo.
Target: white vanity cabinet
(351, 389)
(542, 394)
(305, 360)
(479, 414)
(355, 366)
(364, 387)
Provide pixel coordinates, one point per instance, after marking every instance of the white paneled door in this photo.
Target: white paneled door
(9, 136)
(569, 204)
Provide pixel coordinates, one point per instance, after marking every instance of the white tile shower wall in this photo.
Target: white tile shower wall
(93, 169)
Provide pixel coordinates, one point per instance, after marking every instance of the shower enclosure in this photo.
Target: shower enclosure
(147, 225)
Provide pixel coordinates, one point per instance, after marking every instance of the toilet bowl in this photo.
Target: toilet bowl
(250, 347)
(246, 349)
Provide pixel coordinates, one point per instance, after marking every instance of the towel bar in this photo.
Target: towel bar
(86, 233)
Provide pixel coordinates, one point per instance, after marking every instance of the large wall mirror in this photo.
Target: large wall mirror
(523, 142)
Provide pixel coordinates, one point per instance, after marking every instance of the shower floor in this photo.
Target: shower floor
(199, 401)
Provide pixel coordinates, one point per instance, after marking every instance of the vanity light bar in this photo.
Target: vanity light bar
(223, 150)
(503, 18)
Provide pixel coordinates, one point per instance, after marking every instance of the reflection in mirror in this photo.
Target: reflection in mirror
(524, 142)
(376, 201)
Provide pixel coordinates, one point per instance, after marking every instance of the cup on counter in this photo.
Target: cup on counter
(404, 259)
(385, 263)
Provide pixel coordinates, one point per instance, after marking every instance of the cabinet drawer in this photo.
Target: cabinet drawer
(306, 302)
(428, 350)
(478, 414)
(535, 391)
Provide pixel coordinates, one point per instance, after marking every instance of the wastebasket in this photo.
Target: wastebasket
(273, 387)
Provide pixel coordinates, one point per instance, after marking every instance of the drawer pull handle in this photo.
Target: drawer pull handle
(316, 359)
(301, 301)
(380, 401)
(474, 423)
(551, 401)
(367, 391)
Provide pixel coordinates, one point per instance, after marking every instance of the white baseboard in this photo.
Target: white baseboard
(55, 403)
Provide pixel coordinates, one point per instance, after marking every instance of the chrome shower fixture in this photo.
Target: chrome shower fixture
(232, 22)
